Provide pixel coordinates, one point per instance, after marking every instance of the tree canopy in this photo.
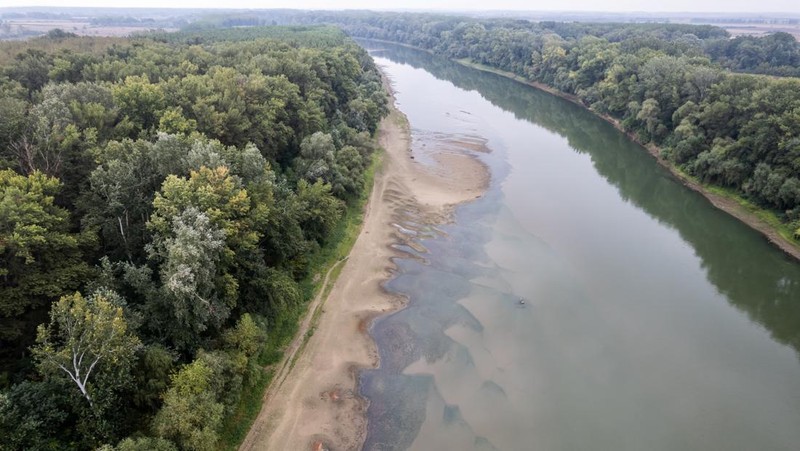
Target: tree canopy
(676, 86)
(171, 179)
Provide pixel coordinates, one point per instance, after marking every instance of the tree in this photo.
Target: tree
(649, 115)
(151, 375)
(119, 200)
(141, 101)
(30, 69)
(144, 444)
(244, 342)
(319, 210)
(82, 334)
(348, 172)
(190, 274)
(53, 135)
(316, 159)
(30, 412)
(173, 121)
(12, 127)
(214, 192)
(191, 415)
(205, 230)
(40, 259)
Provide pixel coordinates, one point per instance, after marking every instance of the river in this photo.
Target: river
(652, 320)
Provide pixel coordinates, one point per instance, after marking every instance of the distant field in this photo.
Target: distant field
(80, 27)
(26, 27)
(760, 29)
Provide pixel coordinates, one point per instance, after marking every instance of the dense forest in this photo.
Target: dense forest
(165, 199)
(661, 81)
(680, 87)
(163, 204)
(775, 54)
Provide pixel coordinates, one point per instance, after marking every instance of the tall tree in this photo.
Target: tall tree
(191, 415)
(40, 259)
(83, 338)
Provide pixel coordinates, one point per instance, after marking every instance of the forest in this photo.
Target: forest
(165, 204)
(723, 110)
(167, 200)
(670, 85)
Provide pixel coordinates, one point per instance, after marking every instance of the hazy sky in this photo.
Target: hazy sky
(533, 5)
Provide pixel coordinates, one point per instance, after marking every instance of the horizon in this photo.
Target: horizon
(726, 8)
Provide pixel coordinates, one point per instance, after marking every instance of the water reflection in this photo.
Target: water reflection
(621, 343)
(755, 277)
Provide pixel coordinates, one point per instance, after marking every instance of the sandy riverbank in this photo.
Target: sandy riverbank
(313, 403)
(725, 203)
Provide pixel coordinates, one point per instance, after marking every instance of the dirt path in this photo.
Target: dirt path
(313, 402)
(301, 337)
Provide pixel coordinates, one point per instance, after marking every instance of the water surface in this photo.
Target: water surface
(652, 320)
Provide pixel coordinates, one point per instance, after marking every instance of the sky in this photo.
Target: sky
(750, 6)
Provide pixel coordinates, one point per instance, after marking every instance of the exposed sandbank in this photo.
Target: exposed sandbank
(725, 203)
(313, 401)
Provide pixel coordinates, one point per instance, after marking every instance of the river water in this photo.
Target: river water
(652, 321)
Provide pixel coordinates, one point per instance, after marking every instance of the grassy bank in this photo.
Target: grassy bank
(327, 260)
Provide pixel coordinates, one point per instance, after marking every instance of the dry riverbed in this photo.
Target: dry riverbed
(313, 401)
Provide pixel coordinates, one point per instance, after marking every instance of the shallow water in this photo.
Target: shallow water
(651, 319)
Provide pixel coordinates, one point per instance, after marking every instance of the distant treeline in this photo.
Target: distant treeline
(775, 54)
(162, 203)
(669, 84)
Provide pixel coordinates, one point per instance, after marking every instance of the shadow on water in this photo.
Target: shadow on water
(758, 279)
(433, 280)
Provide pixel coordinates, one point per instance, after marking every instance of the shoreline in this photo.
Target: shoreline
(727, 203)
(314, 402)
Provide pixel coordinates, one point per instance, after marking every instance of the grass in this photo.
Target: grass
(236, 426)
(768, 216)
(469, 63)
(343, 236)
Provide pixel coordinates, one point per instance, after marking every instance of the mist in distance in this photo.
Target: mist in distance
(723, 6)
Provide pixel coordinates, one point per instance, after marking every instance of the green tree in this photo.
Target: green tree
(173, 121)
(316, 158)
(191, 416)
(86, 337)
(145, 444)
(199, 293)
(40, 259)
(319, 210)
(12, 127)
(119, 200)
(30, 69)
(348, 172)
(142, 444)
(244, 342)
(140, 101)
(649, 114)
(214, 192)
(31, 413)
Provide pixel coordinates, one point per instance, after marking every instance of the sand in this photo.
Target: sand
(313, 402)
